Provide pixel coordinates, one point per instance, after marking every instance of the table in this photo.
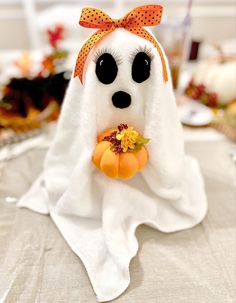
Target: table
(196, 265)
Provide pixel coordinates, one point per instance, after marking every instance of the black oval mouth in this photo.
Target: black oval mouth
(121, 99)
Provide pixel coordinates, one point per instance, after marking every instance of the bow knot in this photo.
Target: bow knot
(133, 21)
(122, 22)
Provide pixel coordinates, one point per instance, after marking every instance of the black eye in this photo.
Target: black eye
(106, 68)
(141, 67)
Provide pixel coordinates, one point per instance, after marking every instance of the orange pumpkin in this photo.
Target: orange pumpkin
(118, 165)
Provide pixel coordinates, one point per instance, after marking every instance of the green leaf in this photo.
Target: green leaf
(141, 140)
(139, 144)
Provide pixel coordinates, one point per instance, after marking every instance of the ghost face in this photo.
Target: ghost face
(119, 79)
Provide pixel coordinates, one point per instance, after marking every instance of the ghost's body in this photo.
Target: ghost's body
(96, 215)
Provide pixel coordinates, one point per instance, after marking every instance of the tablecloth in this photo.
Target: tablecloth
(192, 266)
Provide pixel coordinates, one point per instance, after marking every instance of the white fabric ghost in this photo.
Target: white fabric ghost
(97, 215)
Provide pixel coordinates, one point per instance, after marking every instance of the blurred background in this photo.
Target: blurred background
(40, 40)
(23, 22)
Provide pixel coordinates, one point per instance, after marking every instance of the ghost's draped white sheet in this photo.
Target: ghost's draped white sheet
(96, 215)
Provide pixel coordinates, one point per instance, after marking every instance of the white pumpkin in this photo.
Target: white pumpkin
(219, 78)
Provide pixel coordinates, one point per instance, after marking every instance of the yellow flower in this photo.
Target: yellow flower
(128, 138)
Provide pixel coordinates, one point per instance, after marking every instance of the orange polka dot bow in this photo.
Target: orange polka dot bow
(146, 15)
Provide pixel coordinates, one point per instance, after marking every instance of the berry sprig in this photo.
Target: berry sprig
(116, 144)
(122, 126)
(199, 92)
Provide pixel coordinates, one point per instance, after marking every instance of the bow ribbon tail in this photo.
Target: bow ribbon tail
(83, 54)
(143, 33)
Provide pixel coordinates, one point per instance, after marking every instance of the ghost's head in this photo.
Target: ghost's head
(120, 74)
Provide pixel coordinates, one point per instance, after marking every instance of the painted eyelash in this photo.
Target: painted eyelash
(109, 51)
(147, 50)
